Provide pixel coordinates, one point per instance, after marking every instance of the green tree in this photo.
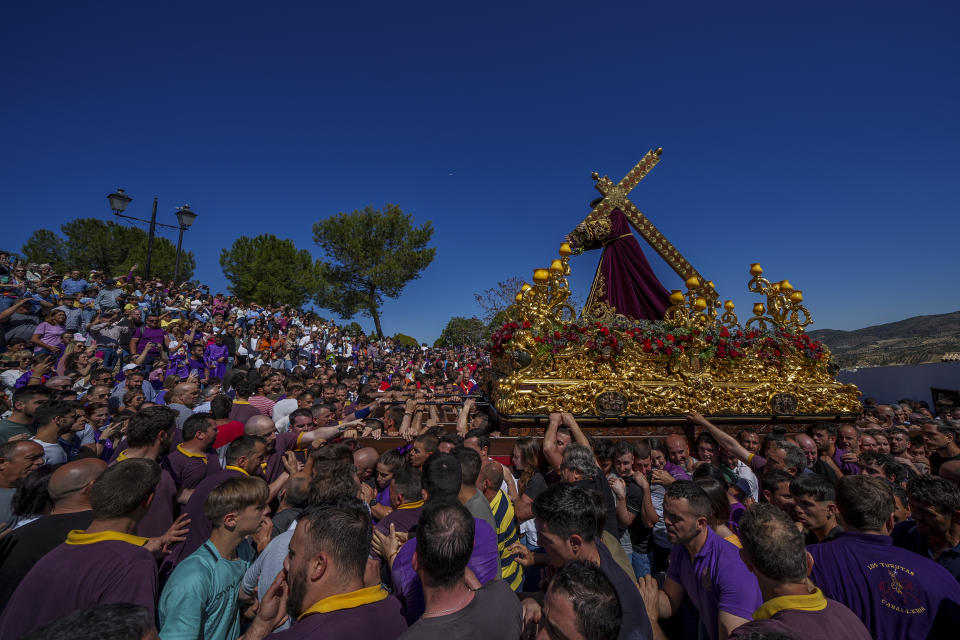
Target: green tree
(353, 329)
(371, 255)
(403, 340)
(45, 246)
(498, 298)
(463, 331)
(267, 269)
(91, 243)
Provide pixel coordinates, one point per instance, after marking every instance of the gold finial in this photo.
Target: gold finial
(659, 151)
(595, 175)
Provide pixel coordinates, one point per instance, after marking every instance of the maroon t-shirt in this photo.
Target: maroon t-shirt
(243, 411)
(75, 576)
(200, 528)
(285, 442)
(402, 519)
(188, 470)
(381, 620)
(163, 510)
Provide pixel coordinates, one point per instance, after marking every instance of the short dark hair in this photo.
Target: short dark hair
(622, 448)
(122, 488)
(46, 412)
(441, 476)
(407, 481)
(568, 509)
(716, 492)
(444, 541)
(865, 502)
(242, 447)
(773, 543)
(696, 497)
(773, 478)
(813, 485)
(429, 441)
(595, 604)
(816, 427)
(195, 424)
(936, 492)
(331, 480)
(26, 394)
(342, 528)
(300, 413)
(470, 464)
(147, 423)
(117, 621)
(244, 388)
(483, 438)
(220, 406)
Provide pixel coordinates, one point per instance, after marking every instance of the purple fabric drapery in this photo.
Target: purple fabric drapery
(630, 286)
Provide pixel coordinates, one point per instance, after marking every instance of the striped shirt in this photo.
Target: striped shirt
(507, 534)
(263, 404)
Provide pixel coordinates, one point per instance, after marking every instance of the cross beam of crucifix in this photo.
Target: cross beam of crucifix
(616, 196)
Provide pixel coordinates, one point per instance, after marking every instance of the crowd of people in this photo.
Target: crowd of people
(194, 466)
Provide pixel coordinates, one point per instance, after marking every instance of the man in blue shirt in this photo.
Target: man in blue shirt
(200, 598)
(74, 283)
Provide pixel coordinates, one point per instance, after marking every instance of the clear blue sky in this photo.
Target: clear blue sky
(819, 139)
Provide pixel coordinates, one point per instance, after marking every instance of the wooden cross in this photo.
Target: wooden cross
(616, 196)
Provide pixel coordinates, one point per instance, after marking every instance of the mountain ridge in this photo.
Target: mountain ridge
(915, 340)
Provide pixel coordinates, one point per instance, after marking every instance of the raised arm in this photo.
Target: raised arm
(578, 436)
(550, 449)
(723, 438)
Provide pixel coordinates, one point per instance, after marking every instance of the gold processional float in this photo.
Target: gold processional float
(618, 373)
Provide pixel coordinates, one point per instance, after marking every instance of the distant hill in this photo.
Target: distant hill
(911, 341)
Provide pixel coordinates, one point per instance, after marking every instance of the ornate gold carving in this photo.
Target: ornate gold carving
(770, 368)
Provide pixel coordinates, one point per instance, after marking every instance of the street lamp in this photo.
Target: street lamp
(118, 204)
(185, 216)
(119, 201)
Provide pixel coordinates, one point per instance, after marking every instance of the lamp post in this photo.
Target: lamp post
(185, 216)
(118, 204)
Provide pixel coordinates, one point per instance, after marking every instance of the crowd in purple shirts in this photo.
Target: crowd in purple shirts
(198, 467)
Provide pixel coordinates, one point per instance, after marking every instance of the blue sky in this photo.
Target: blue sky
(818, 138)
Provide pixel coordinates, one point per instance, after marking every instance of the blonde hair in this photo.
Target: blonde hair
(233, 495)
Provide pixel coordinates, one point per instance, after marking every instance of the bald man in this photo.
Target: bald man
(279, 444)
(678, 452)
(365, 460)
(809, 448)
(183, 398)
(70, 491)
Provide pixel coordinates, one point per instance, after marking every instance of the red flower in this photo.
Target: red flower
(556, 335)
(526, 324)
(507, 337)
(670, 337)
(659, 343)
(709, 338)
(669, 351)
(605, 331)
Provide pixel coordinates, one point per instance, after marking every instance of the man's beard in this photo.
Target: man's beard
(298, 591)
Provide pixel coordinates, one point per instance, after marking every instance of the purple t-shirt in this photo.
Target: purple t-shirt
(484, 562)
(75, 576)
(146, 335)
(163, 509)
(380, 620)
(188, 470)
(897, 593)
(403, 520)
(715, 580)
(200, 528)
(50, 334)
